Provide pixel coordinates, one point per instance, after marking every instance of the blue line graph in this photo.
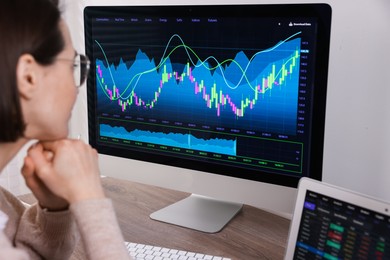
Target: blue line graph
(259, 92)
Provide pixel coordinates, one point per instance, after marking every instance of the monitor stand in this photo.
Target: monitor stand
(199, 213)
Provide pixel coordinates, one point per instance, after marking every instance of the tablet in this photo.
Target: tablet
(333, 223)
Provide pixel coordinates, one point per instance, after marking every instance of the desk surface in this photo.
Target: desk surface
(252, 234)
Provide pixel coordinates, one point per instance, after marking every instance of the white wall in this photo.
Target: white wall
(358, 109)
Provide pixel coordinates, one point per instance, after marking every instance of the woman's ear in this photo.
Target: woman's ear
(27, 72)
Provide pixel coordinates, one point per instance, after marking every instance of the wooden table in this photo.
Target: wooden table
(252, 234)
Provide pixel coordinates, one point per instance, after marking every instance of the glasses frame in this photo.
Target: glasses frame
(82, 62)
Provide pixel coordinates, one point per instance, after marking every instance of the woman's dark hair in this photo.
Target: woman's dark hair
(25, 27)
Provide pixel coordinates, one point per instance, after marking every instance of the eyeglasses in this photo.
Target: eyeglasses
(81, 69)
(81, 65)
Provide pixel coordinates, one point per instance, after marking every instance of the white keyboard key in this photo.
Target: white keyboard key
(166, 255)
(182, 252)
(165, 250)
(191, 254)
(148, 247)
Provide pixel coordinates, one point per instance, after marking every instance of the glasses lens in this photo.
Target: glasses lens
(84, 68)
(77, 71)
(81, 70)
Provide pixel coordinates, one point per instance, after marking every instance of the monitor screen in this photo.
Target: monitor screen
(236, 90)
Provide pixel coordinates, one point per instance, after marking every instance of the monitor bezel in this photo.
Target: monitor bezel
(321, 11)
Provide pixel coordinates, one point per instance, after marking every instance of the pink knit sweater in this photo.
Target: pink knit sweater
(37, 234)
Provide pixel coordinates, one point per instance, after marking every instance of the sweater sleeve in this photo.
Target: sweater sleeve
(99, 229)
(48, 235)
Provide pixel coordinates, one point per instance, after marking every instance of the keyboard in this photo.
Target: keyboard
(149, 252)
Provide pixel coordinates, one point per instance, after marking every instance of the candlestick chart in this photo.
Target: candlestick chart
(257, 92)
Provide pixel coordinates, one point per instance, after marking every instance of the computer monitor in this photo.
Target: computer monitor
(235, 91)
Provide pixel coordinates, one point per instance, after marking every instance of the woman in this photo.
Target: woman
(39, 73)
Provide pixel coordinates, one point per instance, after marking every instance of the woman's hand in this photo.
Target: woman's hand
(72, 171)
(45, 197)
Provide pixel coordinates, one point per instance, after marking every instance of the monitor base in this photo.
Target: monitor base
(198, 212)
